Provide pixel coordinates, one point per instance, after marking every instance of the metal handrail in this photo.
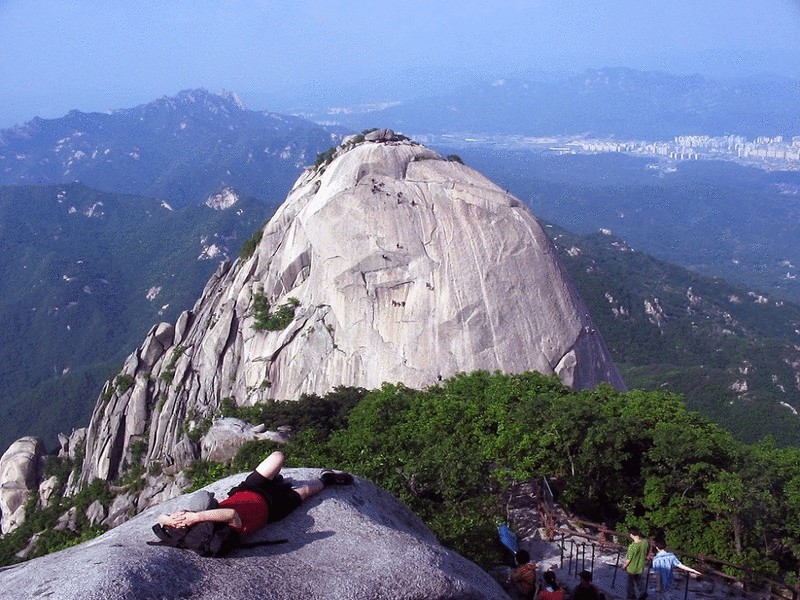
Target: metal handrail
(785, 591)
(578, 550)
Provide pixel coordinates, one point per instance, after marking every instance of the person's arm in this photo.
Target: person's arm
(627, 558)
(688, 569)
(187, 518)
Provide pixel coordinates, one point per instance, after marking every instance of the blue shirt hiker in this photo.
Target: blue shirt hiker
(664, 564)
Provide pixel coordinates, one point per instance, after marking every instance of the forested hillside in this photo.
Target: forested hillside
(84, 276)
(733, 353)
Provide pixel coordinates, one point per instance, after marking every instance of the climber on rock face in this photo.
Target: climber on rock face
(263, 497)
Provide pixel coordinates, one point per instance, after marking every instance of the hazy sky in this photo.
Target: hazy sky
(99, 55)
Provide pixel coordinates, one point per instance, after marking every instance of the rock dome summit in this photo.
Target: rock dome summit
(386, 263)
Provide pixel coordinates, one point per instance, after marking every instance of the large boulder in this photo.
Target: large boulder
(20, 468)
(387, 264)
(354, 542)
(227, 435)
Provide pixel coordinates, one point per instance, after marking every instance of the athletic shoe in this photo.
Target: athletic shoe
(330, 477)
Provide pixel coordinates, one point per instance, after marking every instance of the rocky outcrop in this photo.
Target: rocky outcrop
(222, 199)
(226, 436)
(385, 263)
(20, 468)
(347, 543)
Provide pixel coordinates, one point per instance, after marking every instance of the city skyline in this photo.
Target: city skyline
(763, 152)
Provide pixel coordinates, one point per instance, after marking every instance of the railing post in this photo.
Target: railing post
(569, 558)
(686, 588)
(561, 563)
(616, 568)
(583, 558)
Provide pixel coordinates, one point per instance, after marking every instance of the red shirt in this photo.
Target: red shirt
(555, 595)
(525, 578)
(251, 508)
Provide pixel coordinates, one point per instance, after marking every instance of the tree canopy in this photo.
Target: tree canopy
(629, 459)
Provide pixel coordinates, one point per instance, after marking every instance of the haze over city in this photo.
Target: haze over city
(57, 56)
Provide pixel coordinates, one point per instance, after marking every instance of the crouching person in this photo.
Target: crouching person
(263, 497)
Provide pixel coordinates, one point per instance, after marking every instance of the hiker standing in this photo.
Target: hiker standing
(586, 589)
(664, 564)
(634, 564)
(508, 541)
(524, 576)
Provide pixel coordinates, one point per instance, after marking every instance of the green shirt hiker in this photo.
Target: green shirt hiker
(635, 557)
(634, 565)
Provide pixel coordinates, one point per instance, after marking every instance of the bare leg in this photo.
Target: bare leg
(271, 466)
(314, 486)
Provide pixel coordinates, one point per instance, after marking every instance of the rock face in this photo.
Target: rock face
(354, 542)
(20, 467)
(389, 263)
(226, 436)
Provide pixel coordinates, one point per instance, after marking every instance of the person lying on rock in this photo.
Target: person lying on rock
(263, 497)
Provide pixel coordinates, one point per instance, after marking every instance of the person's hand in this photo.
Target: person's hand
(180, 519)
(185, 518)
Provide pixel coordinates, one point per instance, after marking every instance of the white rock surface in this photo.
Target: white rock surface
(95, 513)
(46, 490)
(69, 520)
(407, 268)
(223, 199)
(227, 435)
(347, 543)
(20, 467)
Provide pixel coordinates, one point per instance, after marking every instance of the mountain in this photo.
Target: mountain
(386, 263)
(733, 353)
(84, 275)
(180, 149)
(611, 102)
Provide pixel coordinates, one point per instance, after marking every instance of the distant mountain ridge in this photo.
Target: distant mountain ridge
(612, 102)
(180, 149)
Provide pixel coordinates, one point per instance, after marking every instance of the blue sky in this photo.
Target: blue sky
(282, 56)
